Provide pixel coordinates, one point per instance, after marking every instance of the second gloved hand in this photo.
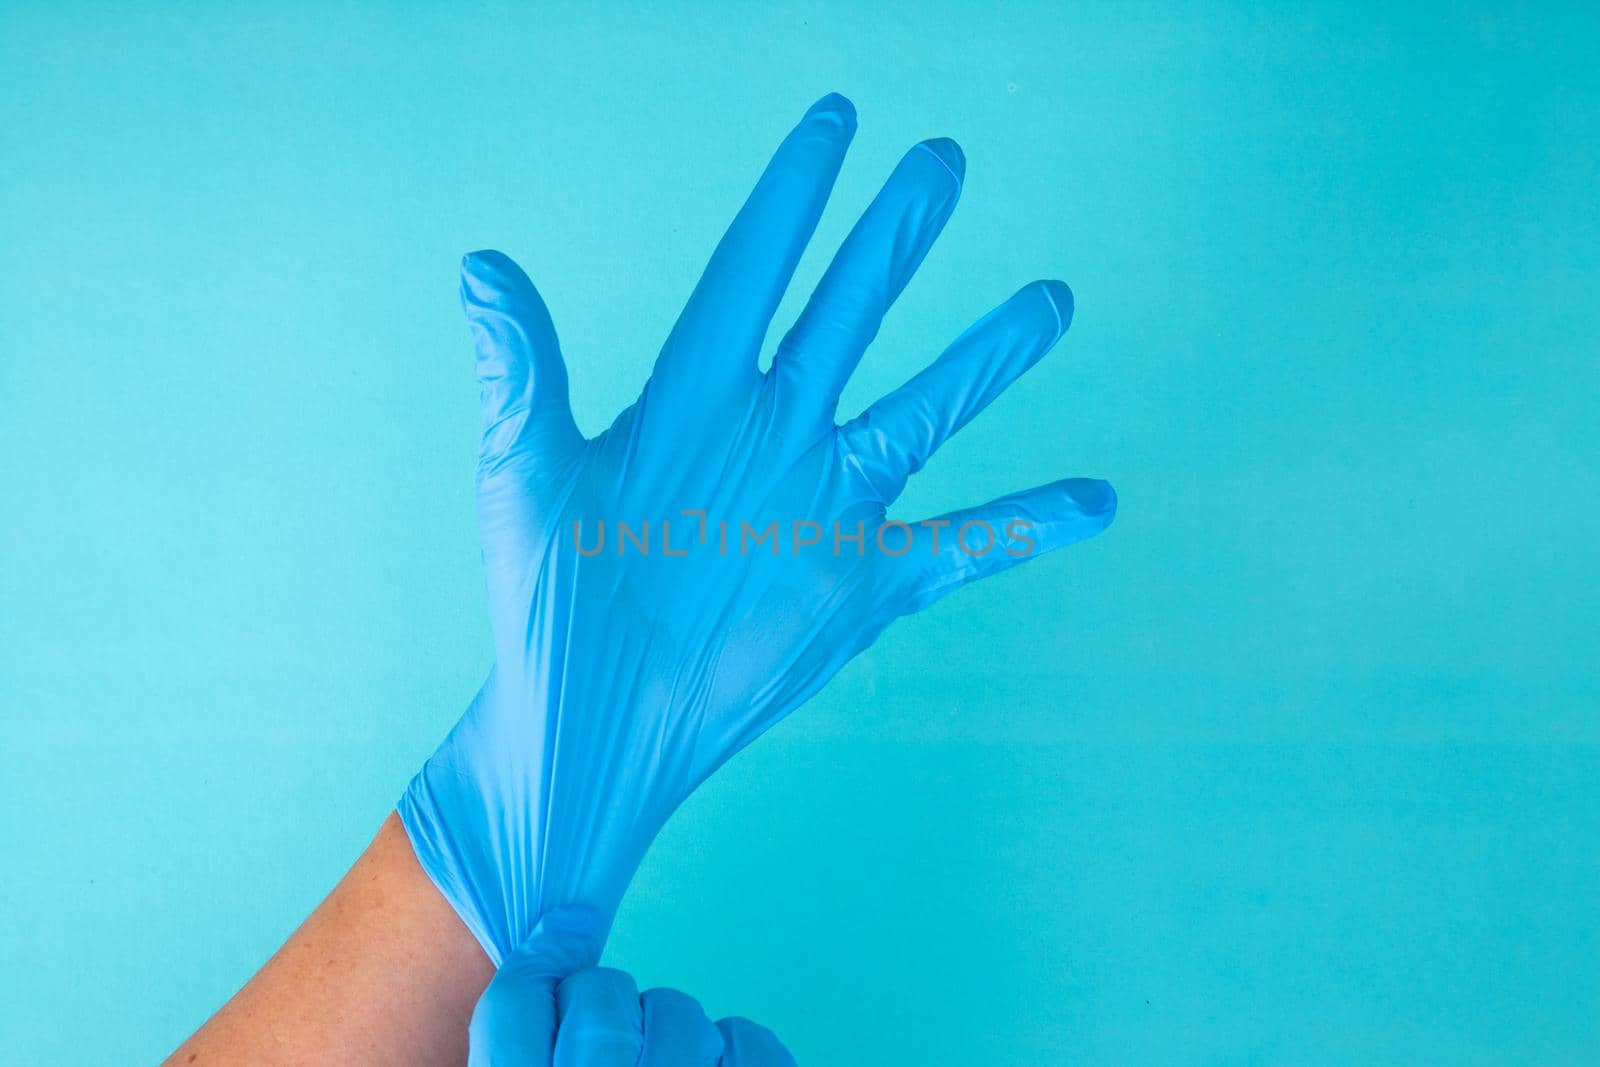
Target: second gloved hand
(548, 1006)
(662, 593)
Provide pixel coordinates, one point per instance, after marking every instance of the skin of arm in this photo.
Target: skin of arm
(382, 972)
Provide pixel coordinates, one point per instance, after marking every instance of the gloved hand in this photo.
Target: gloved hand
(548, 1006)
(662, 593)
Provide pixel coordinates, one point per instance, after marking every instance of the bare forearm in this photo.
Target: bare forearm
(383, 972)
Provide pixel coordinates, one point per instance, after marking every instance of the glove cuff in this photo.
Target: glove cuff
(442, 859)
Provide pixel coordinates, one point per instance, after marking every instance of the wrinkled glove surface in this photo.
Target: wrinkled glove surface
(666, 591)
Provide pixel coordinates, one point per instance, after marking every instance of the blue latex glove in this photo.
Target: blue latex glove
(622, 679)
(548, 1006)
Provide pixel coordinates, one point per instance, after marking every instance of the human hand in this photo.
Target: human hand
(625, 674)
(549, 1006)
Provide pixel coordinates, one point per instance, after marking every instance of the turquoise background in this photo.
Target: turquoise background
(1296, 765)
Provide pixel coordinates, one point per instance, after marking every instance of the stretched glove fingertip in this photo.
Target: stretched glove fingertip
(1059, 294)
(1093, 497)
